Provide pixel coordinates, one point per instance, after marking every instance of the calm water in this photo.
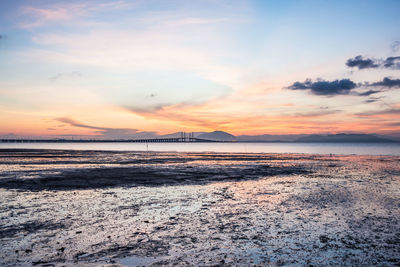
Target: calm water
(309, 148)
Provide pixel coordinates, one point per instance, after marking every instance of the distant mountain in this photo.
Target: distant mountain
(327, 138)
(217, 136)
(144, 135)
(270, 138)
(351, 138)
(172, 135)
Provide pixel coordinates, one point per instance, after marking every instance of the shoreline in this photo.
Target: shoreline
(12, 150)
(307, 148)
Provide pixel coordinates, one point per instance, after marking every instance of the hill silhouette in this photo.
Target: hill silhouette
(218, 136)
(342, 137)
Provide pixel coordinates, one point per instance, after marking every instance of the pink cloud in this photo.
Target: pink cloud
(40, 16)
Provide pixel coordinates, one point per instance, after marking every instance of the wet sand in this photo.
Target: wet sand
(91, 208)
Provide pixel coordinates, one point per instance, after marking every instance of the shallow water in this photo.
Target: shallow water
(308, 148)
(181, 209)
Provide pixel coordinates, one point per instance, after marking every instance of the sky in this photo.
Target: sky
(125, 68)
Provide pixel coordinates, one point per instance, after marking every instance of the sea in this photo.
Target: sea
(281, 147)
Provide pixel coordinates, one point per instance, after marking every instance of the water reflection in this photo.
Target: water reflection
(309, 148)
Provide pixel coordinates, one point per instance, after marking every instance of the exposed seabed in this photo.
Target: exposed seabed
(90, 208)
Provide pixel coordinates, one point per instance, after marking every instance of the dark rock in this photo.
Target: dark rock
(323, 239)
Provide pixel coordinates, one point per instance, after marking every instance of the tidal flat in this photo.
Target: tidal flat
(109, 208)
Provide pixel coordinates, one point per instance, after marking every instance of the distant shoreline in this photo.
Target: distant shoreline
(324, 148)
(162, 141)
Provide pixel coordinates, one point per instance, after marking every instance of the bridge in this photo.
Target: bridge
(183, 138)
(152, 140)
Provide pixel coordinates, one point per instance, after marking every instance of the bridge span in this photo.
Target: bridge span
(151, 140)
(183, 137)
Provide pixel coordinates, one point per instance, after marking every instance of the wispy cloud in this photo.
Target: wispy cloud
(194, 21)
(136, 50)
(390, 111)
(105, 132)
(395, 46)
(372, 100)
(38, 16)
(318, 113)
(211, 116)
(369, 92)
(174, 39)
(149, 108)
(65, 75)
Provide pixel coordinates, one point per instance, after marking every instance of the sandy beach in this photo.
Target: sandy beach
(91, 208)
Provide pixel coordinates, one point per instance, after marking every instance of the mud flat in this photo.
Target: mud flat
(91, 208)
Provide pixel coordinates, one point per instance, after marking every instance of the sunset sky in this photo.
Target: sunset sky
(120, 69)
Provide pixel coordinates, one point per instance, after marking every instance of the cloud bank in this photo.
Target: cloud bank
(345, 86)
(361, 63)
(392, 62)
(369, 63)
(387, 82)
(322, 87)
